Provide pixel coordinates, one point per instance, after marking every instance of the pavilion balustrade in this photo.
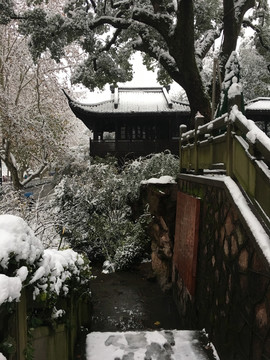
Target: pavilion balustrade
(121, 148)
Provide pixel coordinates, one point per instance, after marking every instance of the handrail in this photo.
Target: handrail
(234, 145)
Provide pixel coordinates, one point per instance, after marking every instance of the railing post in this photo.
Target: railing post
(199, 120)
(229, 150)
(182, 130)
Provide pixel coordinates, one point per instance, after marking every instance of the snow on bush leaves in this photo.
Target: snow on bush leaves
(24, 262)
(95, 207)
(56, 269)
(17, 241)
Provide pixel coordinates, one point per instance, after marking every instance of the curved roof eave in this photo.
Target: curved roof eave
(90, 117)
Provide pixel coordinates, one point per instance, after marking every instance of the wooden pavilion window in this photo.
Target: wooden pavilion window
(123, 135)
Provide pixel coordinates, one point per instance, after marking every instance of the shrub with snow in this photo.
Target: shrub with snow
(24, 262)
(95, 207)
(18, 242)
(49, 275)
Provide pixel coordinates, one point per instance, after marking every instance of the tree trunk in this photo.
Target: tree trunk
(14, 174)
(183, 51)
(232, 26)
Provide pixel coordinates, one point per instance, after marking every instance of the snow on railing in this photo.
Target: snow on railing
(238, 146)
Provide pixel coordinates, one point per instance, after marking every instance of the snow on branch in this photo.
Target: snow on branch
(160, 22)
(152, 48)
(240, 7)
(118, 4)
(34, 174)
(111, 41)
(203, 45)
(110, 20)
(258, 30)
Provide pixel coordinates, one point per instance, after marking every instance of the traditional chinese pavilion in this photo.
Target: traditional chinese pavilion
(134, 122)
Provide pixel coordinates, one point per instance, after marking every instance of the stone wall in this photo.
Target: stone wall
(161, 199)
(232, 294)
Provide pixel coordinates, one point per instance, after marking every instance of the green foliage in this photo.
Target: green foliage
(174, 37)
(95, 208)
(6, 11)
(135, 245)
(8, 345)
(29, 351)
(254, 74)
(208, 13)
(106, 69)
(46, 33)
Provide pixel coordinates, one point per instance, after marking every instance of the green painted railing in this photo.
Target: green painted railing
(232, 145)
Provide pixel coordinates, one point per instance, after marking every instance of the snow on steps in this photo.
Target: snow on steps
(149, 345)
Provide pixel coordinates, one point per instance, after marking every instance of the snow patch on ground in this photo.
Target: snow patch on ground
(165, 344)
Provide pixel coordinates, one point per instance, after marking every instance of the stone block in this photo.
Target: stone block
(243, 260)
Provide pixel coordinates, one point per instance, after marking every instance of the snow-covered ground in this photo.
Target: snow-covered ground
(146, 345)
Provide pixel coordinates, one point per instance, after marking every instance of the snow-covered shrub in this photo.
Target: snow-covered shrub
(95, 207)
(133, 248)
(25, 263)
(18, 243)
(36, 212)
(143, 168)
(50, 278)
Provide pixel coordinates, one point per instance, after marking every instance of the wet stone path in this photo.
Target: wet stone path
(130, 302)
(127, 301)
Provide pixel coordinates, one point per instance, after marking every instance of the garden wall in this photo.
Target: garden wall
(231, 297)
(221, 280)
(161, 199)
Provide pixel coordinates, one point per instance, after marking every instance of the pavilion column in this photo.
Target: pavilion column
(117, 134)
(95, 133)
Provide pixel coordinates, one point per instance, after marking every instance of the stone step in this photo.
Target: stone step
(150, 345)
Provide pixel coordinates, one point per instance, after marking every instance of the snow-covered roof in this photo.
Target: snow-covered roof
(258, 104)
(134, 100)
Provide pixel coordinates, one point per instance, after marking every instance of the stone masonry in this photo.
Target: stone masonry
(232, 295)
(161, 199)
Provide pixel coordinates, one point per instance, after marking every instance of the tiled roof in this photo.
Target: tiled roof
(258, 104)
(135, 100)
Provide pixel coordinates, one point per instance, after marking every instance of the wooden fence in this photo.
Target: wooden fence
(48, 341)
